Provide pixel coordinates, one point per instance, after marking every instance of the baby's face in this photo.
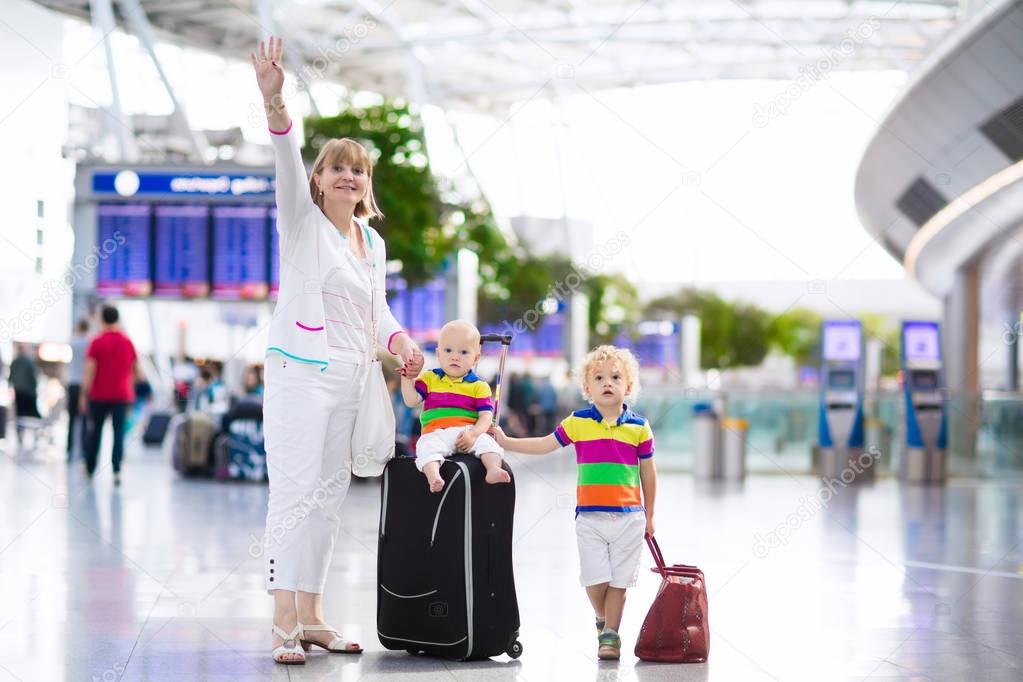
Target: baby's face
(457, 352)
(607, 384)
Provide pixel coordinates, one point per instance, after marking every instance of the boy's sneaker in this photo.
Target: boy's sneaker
(610, 645)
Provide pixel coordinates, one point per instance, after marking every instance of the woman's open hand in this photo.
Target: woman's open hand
(269, 73)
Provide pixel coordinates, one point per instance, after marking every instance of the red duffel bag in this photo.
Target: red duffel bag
(675, 629)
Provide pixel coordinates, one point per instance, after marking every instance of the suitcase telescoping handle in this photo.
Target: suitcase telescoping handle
(505, 341)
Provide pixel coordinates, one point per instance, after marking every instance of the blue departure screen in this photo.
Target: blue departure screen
(123, 237)
(182, 250)
(239, 252)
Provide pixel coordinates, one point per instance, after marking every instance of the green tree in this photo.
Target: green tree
(402, 182)
(879, 327)
(613, 305)
(426, 221)
(731, 335)
(796, 333)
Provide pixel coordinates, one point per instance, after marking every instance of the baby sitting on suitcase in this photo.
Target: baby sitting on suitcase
(614, 449)
(458, 410)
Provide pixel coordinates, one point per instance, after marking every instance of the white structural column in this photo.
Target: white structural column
(265, 17)
(103, 22)
(139, 24)
(960, 340)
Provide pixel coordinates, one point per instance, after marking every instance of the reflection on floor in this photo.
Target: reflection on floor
(161, 580)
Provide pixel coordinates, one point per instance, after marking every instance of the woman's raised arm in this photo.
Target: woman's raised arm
(270, 78)
(292, 183)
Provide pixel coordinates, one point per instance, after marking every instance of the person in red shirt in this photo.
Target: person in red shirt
(108, 388)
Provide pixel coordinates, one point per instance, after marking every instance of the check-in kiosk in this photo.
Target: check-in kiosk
(923, 384)
(840, 421)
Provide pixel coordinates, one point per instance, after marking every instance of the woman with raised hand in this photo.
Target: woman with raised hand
(331, 312)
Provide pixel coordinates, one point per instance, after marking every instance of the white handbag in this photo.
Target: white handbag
(373, 435)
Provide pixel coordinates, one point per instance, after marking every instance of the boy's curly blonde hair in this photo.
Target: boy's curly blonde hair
(621, 356)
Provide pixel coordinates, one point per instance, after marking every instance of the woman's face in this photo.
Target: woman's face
(343, 183)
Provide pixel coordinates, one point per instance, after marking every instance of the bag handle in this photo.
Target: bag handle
(655, 549)
(662, 568)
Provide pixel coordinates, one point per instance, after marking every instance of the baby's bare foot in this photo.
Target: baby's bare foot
(498, 476)
(436, 484)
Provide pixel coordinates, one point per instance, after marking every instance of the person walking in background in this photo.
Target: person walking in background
(530, 410)
(547, 399)
(252, 383)
(24, 381)
(79, 346)
(108, 388)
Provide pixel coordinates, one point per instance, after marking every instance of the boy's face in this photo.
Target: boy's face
(457, 352)
(607, 384)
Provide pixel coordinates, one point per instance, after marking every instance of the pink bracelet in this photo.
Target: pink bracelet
(391, 337)
(282, 132)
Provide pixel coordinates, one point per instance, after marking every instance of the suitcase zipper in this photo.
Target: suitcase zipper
(440, 506)
(383, 508)
(468, 556)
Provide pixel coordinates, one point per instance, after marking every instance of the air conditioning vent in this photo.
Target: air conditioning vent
(920, 202)
(1005, 130)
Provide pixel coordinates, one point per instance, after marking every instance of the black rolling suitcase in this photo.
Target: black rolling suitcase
(156, 428)
(445, 584)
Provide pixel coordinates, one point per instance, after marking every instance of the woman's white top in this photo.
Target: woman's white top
(347, 297)
(314, 260)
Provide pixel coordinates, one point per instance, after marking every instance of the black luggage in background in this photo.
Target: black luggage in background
(156, 428)
(444, 562)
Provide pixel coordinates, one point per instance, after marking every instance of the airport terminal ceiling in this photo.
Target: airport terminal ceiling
(484, 55)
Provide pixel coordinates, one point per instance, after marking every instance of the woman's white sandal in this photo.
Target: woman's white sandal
(285, 649)
(336, 646)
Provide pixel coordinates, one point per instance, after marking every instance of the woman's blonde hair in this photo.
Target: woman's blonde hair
(347, 151)
(623, 357)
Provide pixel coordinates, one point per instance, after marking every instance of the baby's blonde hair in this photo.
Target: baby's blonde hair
(464, 327)
(622, 356)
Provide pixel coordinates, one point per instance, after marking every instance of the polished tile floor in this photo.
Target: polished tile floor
(161, 580)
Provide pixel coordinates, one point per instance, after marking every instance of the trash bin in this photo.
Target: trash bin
(733, 439)
(706, 442)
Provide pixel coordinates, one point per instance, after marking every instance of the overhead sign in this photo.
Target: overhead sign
(131, 183)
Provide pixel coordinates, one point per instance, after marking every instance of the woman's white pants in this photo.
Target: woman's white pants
(308, 417)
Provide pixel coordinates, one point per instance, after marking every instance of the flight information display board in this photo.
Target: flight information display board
(123, 241)
(240, 252)
(182, 250)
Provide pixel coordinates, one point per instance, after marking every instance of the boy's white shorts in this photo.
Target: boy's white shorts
(610, 545)
(436, 445)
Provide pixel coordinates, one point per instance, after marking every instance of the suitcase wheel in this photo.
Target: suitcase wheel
(515, 650)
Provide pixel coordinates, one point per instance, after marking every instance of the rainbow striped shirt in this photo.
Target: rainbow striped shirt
(608, 457)
(452, 401)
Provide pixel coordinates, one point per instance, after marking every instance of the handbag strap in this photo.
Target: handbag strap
(664, 569)
(655, 549)
(371, 347)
